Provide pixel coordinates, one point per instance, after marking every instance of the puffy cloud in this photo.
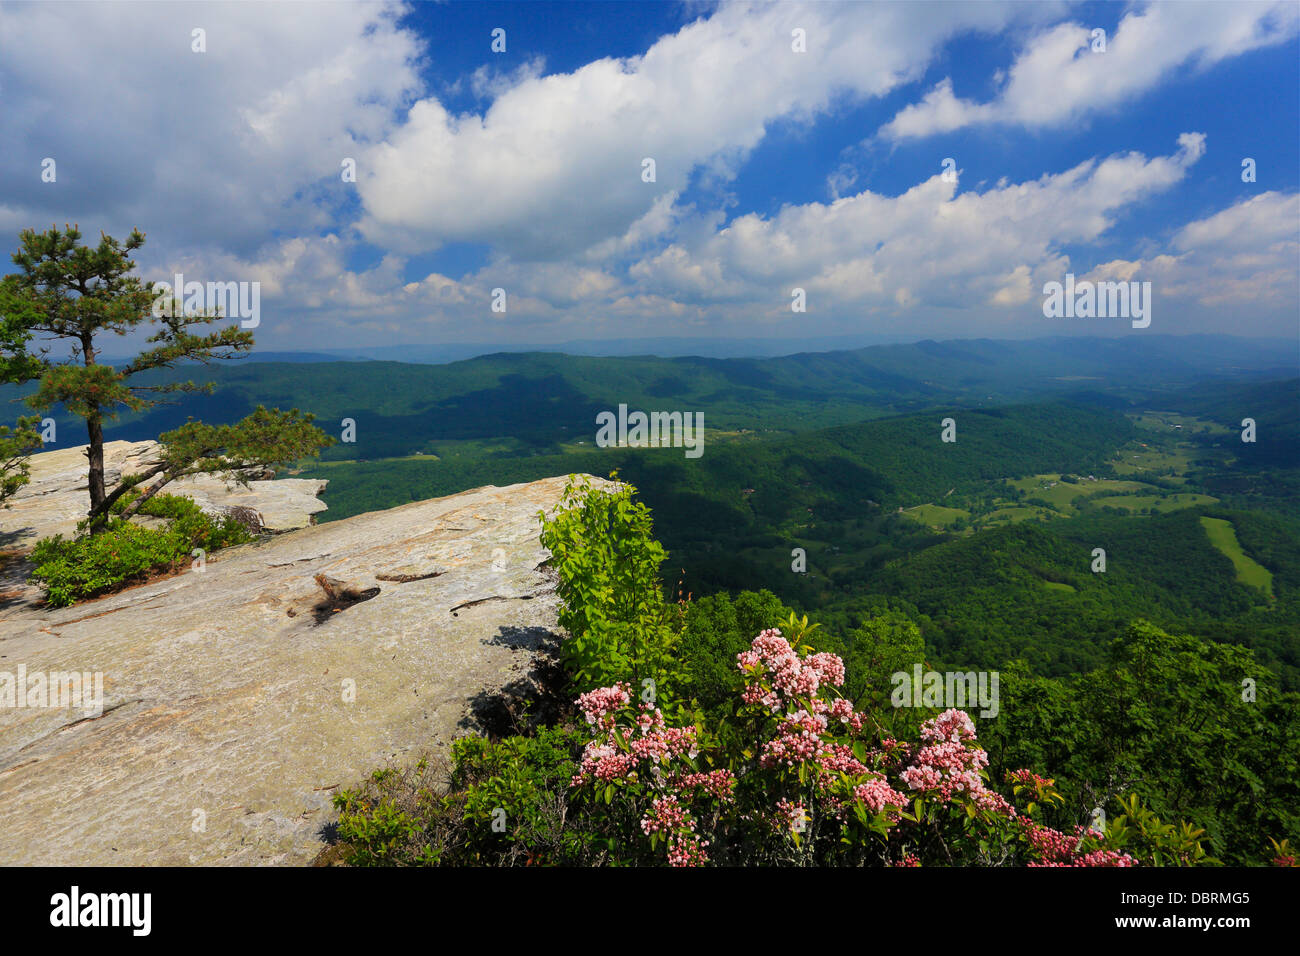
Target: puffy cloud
(937, 260)
(220, 149)
(1240, 262)
(230, 159)
(1057, 77)
(928, 246)
(554, 166)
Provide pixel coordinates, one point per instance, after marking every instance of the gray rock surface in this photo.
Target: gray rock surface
(55, 498)
(239, 698)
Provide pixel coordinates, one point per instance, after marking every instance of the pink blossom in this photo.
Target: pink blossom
(666, 816)
(599, 705)
(877, 794)
(716, 783)
(687, 849)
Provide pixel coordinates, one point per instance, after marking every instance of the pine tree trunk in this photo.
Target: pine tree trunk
(96, 473)
(95, 452)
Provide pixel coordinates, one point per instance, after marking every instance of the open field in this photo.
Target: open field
(1224, 537)
(1138, 459)
(1039, 497)
(936, 516)
(1059, 493)
(1016, 513)
(1160, 503)
(1172, 423)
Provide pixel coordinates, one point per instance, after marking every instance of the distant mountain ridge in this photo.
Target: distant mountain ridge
(682, 347)
(535, 402)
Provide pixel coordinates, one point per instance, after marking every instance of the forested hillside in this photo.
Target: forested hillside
(1020, 589)
(544, 403)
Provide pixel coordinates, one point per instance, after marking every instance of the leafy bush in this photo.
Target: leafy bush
(1199, 728)
(814, 783)
(389, 820)
(620, 627)
(198, 528)
(808, 780)
(500, 804)
(788, 754)
(717, 628)
(88, 565)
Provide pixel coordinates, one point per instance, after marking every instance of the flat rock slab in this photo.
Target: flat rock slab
(56, 497)
(238, 699)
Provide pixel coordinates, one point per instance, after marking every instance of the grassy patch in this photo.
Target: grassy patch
(1137, 459)
(1017, 513)
(1161, 503)
(1224, 537)
(1059, 493)
(1172, 423)
(936, 516)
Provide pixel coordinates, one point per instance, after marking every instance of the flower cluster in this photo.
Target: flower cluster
(639, 748)
(600, 705)
(803, 734)
(803, 724)
(617, 755)
(799, 738)
(603, 762)
(688, 850)
(1028, 778)
(1059, 849)
(666, 816)
(877, 794)
(790, 814)
(718, 784)
(946, 765)
(770, 656)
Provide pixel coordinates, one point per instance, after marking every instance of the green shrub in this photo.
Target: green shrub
(516, 797)
(198, 528)
(74, 569)
(620, 627)
(717, 628)
(500, 804)
(394, 818)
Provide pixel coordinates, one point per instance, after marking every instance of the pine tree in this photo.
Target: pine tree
(17, 442)
(68, 294)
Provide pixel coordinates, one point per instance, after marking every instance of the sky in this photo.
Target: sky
(914, 170)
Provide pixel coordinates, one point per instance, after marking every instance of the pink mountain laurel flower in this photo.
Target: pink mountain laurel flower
(790, 815)
(839, 758)
(1060, 849)
(771, 656)
(603, 762)
(842, 770)
(946, 766)
(842, 710)
(718, 784)
(666, 816)
(687, 850)
(599, 705)
(952, 726)
(877, 794)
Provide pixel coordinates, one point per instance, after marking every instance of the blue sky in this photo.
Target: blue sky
(776, 169)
